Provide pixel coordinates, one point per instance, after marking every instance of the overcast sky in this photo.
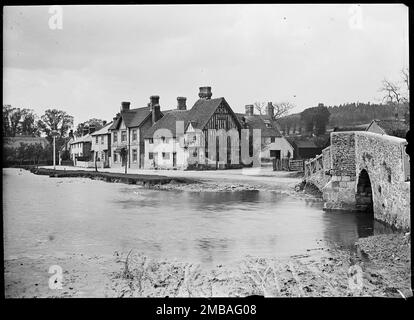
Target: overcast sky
(103, 55)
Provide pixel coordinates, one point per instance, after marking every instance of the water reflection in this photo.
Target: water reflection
(96, 217)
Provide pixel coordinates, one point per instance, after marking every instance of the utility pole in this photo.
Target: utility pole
(54, 134)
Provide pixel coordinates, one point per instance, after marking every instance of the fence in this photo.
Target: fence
(287, 164)
(313, 165)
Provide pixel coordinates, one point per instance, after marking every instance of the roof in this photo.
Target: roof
(132, 117)
(85, 138)
(103, 130)
(169, 122)
(198, 116)
(394, 127)
(258, 121)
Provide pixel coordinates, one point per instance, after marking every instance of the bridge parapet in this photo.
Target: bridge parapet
(384, 160)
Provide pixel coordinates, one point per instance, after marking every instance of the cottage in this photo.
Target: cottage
(101, 146)
(80, 150)
(183, 138)
(393, 127)
(273, 144)
(304, 148)
(127, 132)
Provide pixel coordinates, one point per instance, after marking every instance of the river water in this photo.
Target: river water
(43, 215)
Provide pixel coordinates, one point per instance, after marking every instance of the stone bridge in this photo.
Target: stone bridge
(364, 171)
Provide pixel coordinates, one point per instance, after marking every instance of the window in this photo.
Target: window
(102, 139)
(123, 136)
(150, 140)
(134, 135)
(166, 155)
(150, 155)
(115, 136)
(96, 139)
(163, 139)
(134, 155)
(195, 153)
(272, 139)
(115, 157)
(268, 125)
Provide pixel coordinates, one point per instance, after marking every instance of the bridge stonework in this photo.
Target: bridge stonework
(355, 155)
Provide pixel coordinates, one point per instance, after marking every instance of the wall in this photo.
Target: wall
(171, 146)
(383, 158)
(280, 144)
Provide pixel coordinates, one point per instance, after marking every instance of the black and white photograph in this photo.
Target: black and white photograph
(206, 151)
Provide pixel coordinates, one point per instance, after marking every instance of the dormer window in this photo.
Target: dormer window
(268, 124)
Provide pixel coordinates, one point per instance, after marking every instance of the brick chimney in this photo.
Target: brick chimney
(270, 110)
(249, 109)
(205, 93)
(125, 105)
(181, 103)
(155, 108)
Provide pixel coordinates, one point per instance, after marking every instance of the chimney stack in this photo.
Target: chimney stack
(181, 103)
(270, 109)
(249, 109)
(125, 105)
(205, 93)
(155, 108)
(104, 123)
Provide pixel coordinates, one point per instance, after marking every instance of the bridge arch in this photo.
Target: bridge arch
(364, 195)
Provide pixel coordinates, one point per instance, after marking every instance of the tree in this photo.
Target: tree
(28, 125)
(316, 119)
(54, 119)
(280, 109)
(96, 123)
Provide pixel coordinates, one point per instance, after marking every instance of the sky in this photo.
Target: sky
(90, 58)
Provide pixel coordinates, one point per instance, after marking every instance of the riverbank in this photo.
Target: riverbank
(195, 181)
(382, 267)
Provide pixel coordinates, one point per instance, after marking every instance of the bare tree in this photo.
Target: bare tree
(391, 91)
(281, 109)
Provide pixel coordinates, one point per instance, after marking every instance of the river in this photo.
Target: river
(54, 216)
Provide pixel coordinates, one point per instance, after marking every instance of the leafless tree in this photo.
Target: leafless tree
(392, 93)
(281, 109)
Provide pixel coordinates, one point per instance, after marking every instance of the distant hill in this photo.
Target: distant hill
(346, 115)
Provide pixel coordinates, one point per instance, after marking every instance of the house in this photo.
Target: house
(127, 132)
(80, 148)
(184, 138)
(273, 144)
(393, 127)
(101, 146)
(304, 148)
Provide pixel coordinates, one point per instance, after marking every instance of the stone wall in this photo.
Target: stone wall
(382, 157)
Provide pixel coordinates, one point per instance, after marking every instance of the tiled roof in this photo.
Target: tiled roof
(132, 117)
(198, 116)
(169, 121)
(259, 122)
(393, 127)
(202, 111)
(85, 138)
(103, 130)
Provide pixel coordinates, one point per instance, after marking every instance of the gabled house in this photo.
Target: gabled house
(127, 132)
(101, 146)
(169, 149)
(273, 144)
(393, 127)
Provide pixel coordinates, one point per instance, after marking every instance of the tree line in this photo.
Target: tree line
(25, 122)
